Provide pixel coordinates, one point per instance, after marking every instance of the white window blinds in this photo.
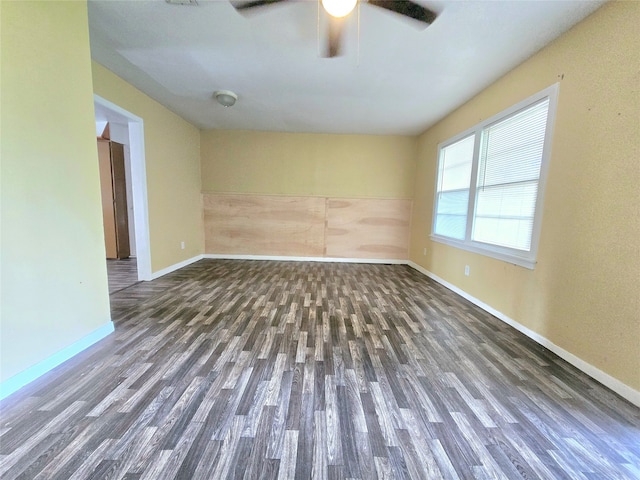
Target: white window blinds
(508, 174)
(454, 179)
(491, 180)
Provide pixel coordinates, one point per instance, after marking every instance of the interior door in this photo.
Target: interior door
(120, 199)
(106, 188)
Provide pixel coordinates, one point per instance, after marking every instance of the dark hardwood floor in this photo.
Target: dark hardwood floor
(249, 369)
(121, 274)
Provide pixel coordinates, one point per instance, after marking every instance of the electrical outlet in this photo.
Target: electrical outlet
(466, 270)
(424, 252)
(182, 245)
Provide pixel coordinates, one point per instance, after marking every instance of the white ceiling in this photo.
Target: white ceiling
(393, 79)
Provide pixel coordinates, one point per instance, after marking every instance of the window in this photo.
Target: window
(491, 180)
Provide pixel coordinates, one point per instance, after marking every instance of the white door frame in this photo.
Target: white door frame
(138, 186)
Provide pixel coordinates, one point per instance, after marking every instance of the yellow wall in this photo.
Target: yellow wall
(54, 282)
(172, 151)
(308, 164)
(584, 293)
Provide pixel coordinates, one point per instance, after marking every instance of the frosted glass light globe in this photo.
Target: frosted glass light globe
(339, 8)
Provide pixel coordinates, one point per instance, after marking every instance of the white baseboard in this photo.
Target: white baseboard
(21, 379)
(613, 383)
(222, 256)
(175, 266)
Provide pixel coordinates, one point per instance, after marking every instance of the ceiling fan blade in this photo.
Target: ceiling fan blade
(407, 8)
(334, 36)
(253, 4)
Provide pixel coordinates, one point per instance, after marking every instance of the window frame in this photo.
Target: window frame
(527, 259)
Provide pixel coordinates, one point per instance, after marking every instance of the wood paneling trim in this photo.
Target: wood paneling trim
(368, 228)
(306, 226)
(264, 225)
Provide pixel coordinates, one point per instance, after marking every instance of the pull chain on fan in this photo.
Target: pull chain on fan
(358, 51)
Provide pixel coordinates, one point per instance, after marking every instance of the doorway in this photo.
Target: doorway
(128, 130)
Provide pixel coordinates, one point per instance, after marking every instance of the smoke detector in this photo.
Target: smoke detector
(226, 98)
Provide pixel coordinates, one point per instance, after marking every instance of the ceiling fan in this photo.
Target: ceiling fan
(337, 10)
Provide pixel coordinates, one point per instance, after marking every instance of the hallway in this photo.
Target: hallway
(122, 274)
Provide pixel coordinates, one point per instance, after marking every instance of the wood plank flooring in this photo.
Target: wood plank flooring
(249, 370)
(121, 274)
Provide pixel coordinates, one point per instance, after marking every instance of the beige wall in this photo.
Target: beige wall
(54, 283)
(287, 184)
(172, 155)
(307, 164)
(584, 293)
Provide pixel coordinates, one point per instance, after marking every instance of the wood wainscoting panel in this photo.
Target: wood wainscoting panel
(368, 228)
(264, 225)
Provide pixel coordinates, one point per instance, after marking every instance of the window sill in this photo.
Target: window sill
(478, 248)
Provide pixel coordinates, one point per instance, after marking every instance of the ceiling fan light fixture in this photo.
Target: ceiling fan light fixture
(339, 8)
(226, 98)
